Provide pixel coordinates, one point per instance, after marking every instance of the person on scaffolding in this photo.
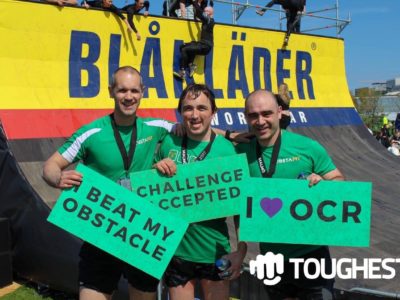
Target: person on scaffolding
(202, 47)
(294, 10)
(108, 5)
(134, 9)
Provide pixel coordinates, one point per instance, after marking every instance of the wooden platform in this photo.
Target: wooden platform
(9, 289)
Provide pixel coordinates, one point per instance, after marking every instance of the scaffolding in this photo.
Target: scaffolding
(238, 9)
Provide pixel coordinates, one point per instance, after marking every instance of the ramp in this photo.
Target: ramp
(56, 64)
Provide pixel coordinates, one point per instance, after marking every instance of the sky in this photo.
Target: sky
(372, 39)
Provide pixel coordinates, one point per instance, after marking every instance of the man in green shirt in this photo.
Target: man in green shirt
(114, 146)
(276, 153)
(207, 241)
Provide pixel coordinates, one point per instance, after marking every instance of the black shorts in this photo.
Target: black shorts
(101, 271)
(181, 271)
(304, 288)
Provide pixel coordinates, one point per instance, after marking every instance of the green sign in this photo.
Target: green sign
(114, 219)
(336, 213)
(199, 191)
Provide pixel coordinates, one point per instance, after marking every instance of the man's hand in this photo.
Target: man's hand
(178, 129)
(146, 13)
(241, 137)
(166, 167)
(68, 179)
(138, 37)
(313, 179)
(236, 258)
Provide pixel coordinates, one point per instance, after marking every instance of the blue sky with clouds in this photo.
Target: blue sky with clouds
(372, 43)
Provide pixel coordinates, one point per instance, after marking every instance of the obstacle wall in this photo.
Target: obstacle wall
(57, 63)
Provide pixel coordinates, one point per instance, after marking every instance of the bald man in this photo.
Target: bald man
(296, 156)
(201, 47)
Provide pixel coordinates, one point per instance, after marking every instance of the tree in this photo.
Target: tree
(368, 106)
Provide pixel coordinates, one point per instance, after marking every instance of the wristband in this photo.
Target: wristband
(228, 134)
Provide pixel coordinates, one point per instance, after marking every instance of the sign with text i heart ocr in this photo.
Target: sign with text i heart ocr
(336, 213)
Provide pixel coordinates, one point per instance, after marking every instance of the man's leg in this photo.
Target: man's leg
(215, 290)
(99, 273)
(297, 21)
(135, 294)
(89, 294)
(141, 286)
(321, 293)
(182, 292)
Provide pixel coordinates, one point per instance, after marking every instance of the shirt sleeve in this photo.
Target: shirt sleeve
(322, 162)
(74, 148)
(146, 5)
(163, 127)
(130, 9)
(116, 11)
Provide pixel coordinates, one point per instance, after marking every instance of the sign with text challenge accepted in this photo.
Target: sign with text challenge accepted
(199, 191)
(114, 219)
(335, 213)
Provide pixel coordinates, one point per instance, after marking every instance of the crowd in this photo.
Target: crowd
(389, 135)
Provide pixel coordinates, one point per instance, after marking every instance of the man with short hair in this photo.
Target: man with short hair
(270, 155)
(114, 146)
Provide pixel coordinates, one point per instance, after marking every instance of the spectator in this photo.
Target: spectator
(134, 9)
(384, 137)
(397, 122)
(283, 98)
(107, 5)
(294, 10)
(63, 2)
(202, 47)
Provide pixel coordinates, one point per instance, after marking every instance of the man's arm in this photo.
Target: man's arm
(55, 176)
(146, 7)
(200, 12)
(335, 174)
(236, 258)
(131, 12)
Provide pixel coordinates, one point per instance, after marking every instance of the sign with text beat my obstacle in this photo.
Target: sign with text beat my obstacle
(335, 213)
(198, 191)
(114, 219)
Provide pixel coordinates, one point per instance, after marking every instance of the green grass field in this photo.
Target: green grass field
(24, 293)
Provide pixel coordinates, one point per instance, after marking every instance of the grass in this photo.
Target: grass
(24, 293)
(29, 291)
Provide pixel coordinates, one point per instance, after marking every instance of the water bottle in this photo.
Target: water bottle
(302, 175)
(223, 264)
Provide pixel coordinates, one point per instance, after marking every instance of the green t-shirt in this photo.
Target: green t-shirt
(96, 146)
(298, 154)
(204, 242)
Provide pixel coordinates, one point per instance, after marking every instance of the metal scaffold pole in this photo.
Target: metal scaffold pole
(238, 9)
